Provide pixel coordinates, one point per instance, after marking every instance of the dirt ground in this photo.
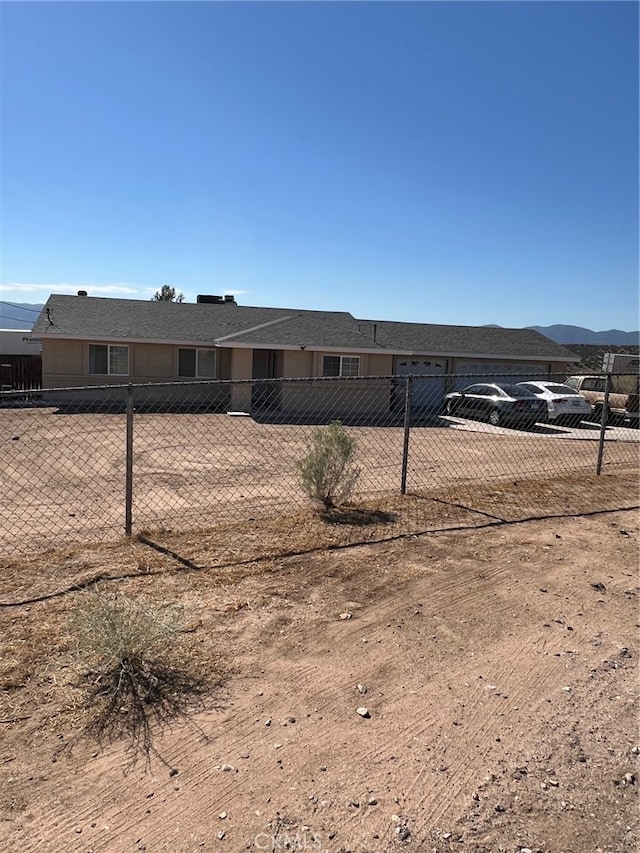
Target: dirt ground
(62, 476)
(500, 670)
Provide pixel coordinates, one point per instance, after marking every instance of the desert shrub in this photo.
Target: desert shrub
(328, 473)
(126, 648)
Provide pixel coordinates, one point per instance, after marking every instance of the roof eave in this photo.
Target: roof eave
(378, 350)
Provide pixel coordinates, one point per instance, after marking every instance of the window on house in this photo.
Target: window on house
(341, 365)
(196, 363)
(108, 360)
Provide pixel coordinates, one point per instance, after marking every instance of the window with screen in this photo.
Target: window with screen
(341, 365)
(196, 363)
(108, 360)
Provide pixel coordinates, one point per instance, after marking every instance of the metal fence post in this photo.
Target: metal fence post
(603, 422)
(128, 506)
(407, 430)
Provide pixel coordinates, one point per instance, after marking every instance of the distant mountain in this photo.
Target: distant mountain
(578, 335)
(18, 315)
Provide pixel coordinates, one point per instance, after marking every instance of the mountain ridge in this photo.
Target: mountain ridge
(19, 315)
(564, 334)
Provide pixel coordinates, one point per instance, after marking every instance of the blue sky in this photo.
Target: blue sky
(446, 162)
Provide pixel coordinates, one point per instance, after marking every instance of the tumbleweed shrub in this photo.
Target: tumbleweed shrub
(328, 473)
(126, 650)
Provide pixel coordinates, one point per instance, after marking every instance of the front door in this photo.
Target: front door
(267, 365)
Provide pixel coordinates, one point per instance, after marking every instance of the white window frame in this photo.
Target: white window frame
(342, 360)
(197, 351)
(110, 371)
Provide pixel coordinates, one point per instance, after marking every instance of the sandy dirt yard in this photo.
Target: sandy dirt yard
(498, 667)
(62, 476)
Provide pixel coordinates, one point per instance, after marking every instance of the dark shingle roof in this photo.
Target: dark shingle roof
(230, 324)
(451, 340)
(85, 316)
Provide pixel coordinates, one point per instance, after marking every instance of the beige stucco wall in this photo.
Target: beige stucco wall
(379, 364)
(337, 397)
(371, 364)
(298, 364)
(340, 397)
(241, 368)
(241, 363)
(65, 363)
(154, 360)
(62, 358)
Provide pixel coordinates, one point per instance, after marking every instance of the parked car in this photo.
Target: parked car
(624, 397)
(564, 404)
(496, 404)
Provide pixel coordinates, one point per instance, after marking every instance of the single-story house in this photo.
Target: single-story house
(97, 341)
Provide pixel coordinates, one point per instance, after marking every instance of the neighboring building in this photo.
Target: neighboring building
(20, 360)
(97, 341)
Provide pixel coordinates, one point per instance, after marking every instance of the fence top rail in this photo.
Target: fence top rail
(472, 377)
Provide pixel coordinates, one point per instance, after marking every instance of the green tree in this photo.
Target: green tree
(167, 294)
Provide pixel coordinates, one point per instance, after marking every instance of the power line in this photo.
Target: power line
(21, 307)
(17, 320)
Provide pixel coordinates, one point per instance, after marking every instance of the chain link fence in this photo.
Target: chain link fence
(90, 464)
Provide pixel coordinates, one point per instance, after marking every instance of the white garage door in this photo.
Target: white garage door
(428, 390)
(470, 372)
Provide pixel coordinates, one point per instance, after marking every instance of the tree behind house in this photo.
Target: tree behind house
(167, 294)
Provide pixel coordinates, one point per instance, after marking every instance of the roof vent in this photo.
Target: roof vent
(82, 293)
(209, 300)
(229, 299)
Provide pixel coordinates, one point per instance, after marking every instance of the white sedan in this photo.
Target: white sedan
(564, 404)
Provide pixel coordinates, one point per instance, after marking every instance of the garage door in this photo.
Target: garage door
(428, 389)
(469, 372)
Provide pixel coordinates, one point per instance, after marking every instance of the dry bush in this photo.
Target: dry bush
(127, 650)
(328, 473)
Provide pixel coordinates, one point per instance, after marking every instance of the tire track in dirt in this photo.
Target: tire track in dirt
(532, 681)
(315, 664)
(482, 727)
(501, 674)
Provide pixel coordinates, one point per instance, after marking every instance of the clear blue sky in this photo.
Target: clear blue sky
(439, 162)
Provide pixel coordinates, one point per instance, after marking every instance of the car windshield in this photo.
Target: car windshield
(561, 389)
(517, 391)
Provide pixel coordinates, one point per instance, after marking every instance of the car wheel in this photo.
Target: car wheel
(575, 420)
(597, 413)
(495, 417)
